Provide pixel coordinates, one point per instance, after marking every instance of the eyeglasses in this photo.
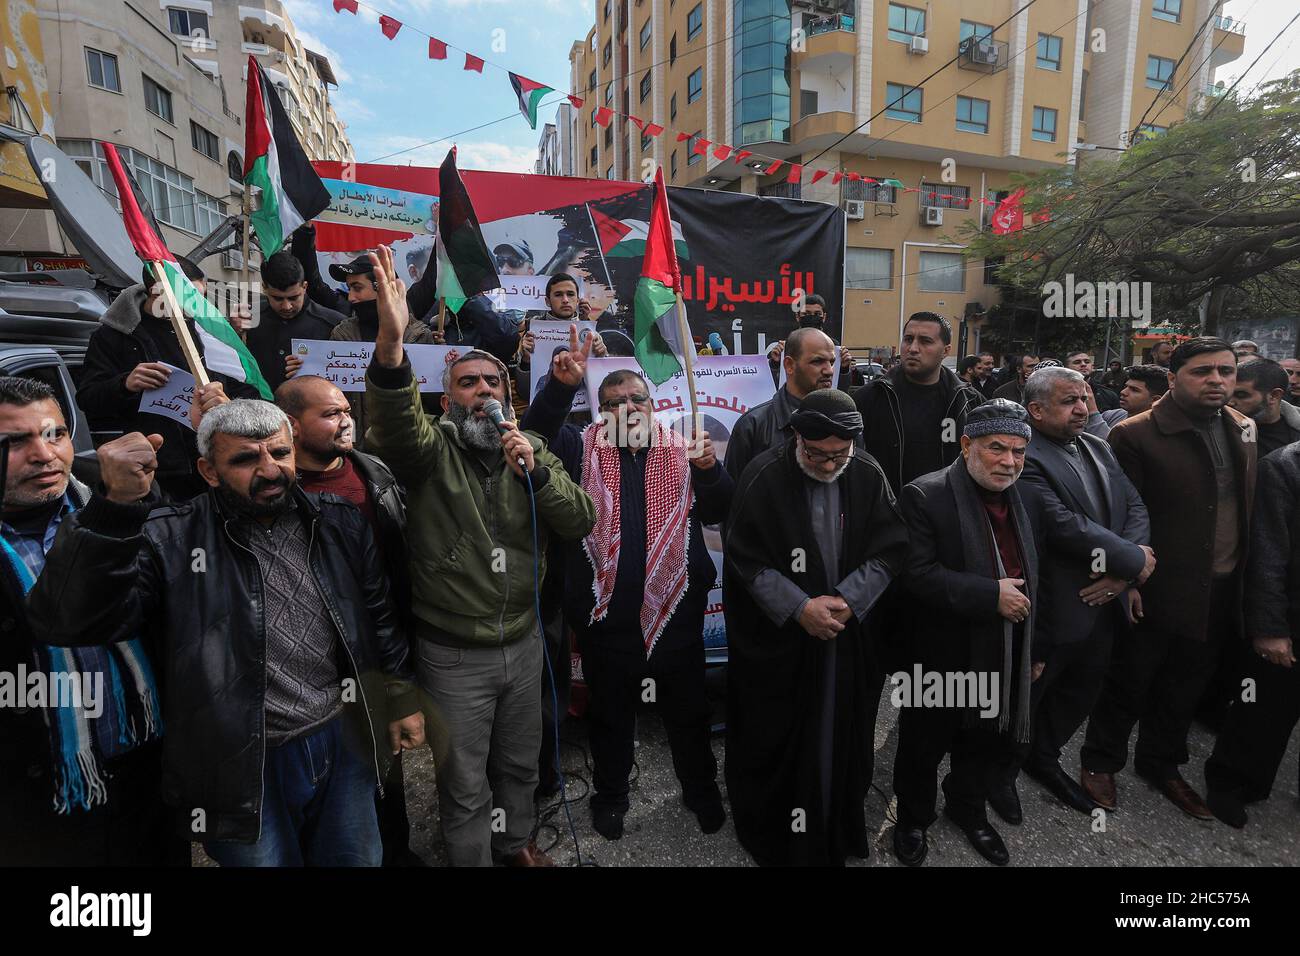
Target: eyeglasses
(613, 403)
(821, 458)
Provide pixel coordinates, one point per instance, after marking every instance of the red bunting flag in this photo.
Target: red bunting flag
(1009, 216)
(741, 156)
(604, 115)
(854, 177)
(774, 167)
(818, 174)
(577, 102)
(653, 129)
(473, 63)
(702, 146)
(389, 26)
(683, 137)
(349, 5)
(636, 121)
(722, 152)
(437, 49)
(796, 173)
(835, 180)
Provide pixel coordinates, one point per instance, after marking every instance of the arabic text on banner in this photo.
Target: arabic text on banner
(547, 337)
(173, 400)
(345, 363)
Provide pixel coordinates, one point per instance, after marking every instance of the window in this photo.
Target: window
(905, 23)
(1049, 52)
(692, 157)
(606, 53)
(101, 70)
(170, 192)
(945, 196)
(645, 86)
(609, 93)
(672, 162)
(645, 141)
(157, 100)
(868, 268)
(1149, 131)
(591, 82)
(695, 85)
(694, 22)
(672, 50)
(187, 23)
(609, 172)
(869, 192)
(205, 141)
(672, 107)
(1160, 73)
(645, 33)
(903, 102)
(593, 119)
(593, 156)
(807, 102)
(606, 10)
(609, 136)
(972, 115)
(1170, 10)
(982, 31)
(942, 272)
(1044, 124)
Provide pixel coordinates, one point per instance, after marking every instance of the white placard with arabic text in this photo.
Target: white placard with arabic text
(345, 363)
(523, 293)
(548, 336)
(173, 400)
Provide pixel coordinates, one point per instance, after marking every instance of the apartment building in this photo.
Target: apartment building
(803, 81)
(555, 148)
(165, 82)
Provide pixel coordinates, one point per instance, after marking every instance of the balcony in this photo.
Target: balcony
(830, 42)
(1229, 41)
(831, 123)
(263, 27)
(983, 55)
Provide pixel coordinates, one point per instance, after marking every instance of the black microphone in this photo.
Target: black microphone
(492, 409)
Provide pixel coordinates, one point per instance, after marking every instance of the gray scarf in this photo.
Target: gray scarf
(980, 552)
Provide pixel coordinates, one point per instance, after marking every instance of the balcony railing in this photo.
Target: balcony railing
(838, 21)
(1229, 25)
(983, 54)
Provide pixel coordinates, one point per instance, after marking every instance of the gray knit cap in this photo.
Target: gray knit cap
(997, 416)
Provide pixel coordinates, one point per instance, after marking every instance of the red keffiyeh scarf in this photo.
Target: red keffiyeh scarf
(667, 532)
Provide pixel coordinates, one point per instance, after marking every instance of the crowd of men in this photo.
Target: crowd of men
(264, 616)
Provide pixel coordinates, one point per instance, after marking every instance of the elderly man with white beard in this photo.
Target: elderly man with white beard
(971, 583)
(813, 539)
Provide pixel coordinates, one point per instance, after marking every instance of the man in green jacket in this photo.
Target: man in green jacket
(474, 567)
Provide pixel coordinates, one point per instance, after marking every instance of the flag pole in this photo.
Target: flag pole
(188, 348)
(442, 314)
(247, 203)
(688, 356)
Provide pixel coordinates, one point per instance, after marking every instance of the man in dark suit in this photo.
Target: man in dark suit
(1087, 498)
(1193, 461)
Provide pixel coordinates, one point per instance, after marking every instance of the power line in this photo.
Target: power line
(1229, 90)
(1191, 43)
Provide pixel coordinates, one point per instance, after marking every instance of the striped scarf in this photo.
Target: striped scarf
(130, 714)
(667, 533)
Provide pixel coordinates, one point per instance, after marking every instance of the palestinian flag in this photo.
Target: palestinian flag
(275, 163)
(223, 350)
(530, 94)
(626, 238)
(659, 346)
(465, 267)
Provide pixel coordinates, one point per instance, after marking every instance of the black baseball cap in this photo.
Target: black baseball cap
(360, 266)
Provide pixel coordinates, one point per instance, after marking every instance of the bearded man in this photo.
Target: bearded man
(813, 539)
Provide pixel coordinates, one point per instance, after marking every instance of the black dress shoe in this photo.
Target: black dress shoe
(985, 840)
(608, 822)
(1006, 802)
(1064, 787)
(1227, 807)
(909, 844)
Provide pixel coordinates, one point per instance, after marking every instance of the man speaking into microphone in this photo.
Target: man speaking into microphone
(473, 571)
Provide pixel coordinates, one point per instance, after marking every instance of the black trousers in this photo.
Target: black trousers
(1255, 735)
(134, 827)
(1155, 680)
(925, 734)
(394, 825)
(554, 705)
(1063, 696)
(616, 685)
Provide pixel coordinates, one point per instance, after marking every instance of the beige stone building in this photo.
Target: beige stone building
(801, 82)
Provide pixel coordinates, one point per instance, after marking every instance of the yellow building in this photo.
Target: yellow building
(25, 106)
(789, 80)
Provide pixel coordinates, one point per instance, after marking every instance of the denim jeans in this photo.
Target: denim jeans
(318, 805)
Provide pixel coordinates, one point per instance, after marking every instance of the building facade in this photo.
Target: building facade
(165, 82)
(803, 81)
(555, 149)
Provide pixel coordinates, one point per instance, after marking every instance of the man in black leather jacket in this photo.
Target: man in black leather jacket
(269, 619)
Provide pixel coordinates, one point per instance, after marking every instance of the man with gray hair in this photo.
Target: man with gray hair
(286, 683)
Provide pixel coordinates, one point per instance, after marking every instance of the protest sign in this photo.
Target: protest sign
(520, 293)
(547, 338)
(173, 400)
(345, 363)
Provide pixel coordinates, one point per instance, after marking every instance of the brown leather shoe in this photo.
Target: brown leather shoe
(1100, 787)
(1181, 795)
(530, 856)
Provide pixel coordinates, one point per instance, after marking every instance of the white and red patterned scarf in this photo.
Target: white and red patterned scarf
(667, 525)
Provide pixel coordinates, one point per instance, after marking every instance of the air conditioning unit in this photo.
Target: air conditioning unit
(855, 208)
(985, 52)
(932, 215)
(918, 45)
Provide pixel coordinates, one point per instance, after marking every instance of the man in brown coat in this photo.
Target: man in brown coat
(1192, 459)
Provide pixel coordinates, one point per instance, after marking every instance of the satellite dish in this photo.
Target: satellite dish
(86, 215)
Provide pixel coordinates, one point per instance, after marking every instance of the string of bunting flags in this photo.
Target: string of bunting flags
(530, 93)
